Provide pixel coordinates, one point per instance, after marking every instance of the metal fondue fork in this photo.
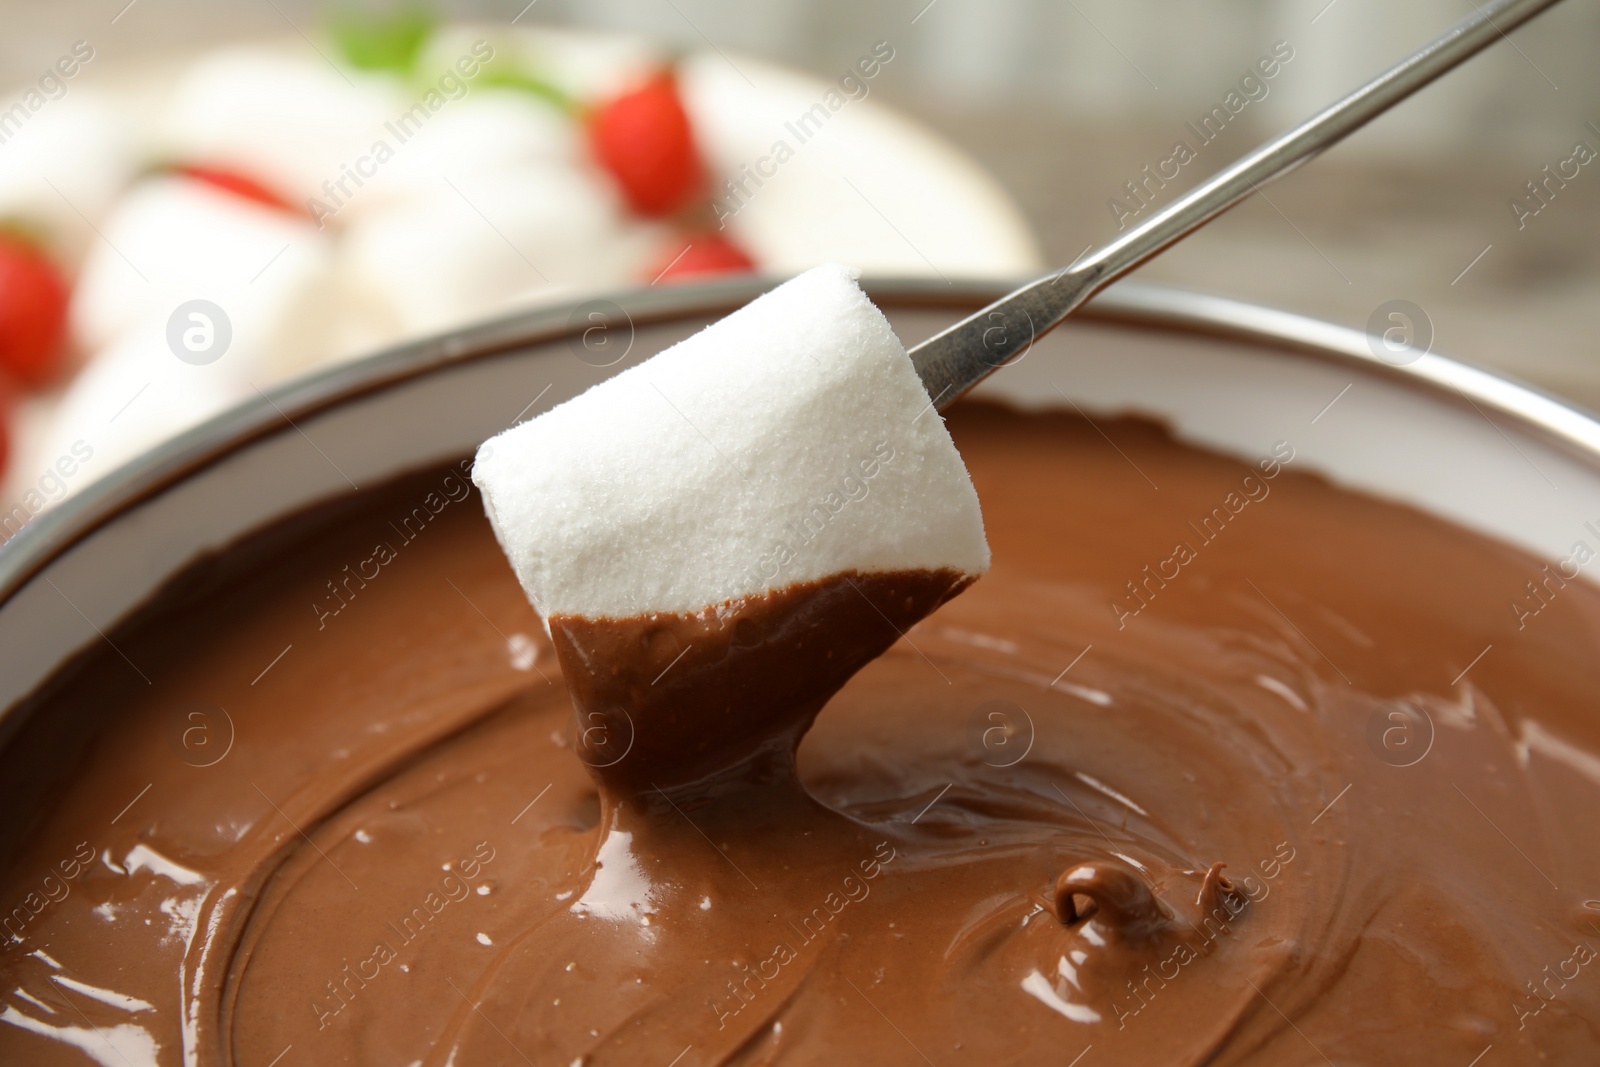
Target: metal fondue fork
(955, 360)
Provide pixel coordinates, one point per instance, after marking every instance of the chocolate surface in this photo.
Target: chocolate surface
(1213, 767)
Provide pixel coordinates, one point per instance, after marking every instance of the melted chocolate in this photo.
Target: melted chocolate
(724, 695)
(1211, 773)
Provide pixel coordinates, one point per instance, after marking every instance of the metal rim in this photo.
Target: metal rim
(1128, 304)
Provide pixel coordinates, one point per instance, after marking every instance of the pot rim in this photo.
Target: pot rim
(1130, 305)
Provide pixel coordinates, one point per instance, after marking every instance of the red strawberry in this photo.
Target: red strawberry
(33, 312)
(231, 181)
(706, 253)
(643, 138)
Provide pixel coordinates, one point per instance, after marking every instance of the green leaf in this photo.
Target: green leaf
(389, 39)
(511, 78)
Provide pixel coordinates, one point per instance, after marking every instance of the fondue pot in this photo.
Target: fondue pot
(1465, 444)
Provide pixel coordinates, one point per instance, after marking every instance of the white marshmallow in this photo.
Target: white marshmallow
(130, 398)
(487, 130)
(173, 239)
(65, 164)
(287, 118)
(820, 177)
(270, 273)
(485, 242)
(789, 442)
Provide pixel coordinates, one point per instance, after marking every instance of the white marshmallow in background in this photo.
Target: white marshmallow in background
(271, 274)
(284, 117)
(65, 164)
(846, 191)
(174, 239)
(485, 130)
(797, 421)
(482, 243)
(131, 397)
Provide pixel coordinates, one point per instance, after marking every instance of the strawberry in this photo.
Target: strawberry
(706, 253)
(231, 181)
(644, 139)
(33, 312)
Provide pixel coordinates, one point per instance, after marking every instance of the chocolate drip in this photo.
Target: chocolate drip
(665, 700)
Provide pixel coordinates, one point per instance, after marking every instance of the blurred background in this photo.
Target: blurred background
(1455, 202)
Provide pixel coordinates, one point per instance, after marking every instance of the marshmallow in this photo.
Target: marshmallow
(169, 241)
(289, 119)
(805, 175)
(172, 239)
(790, 442)
(66, 164)
(130, 398)
(487, 130)
(485, 242)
